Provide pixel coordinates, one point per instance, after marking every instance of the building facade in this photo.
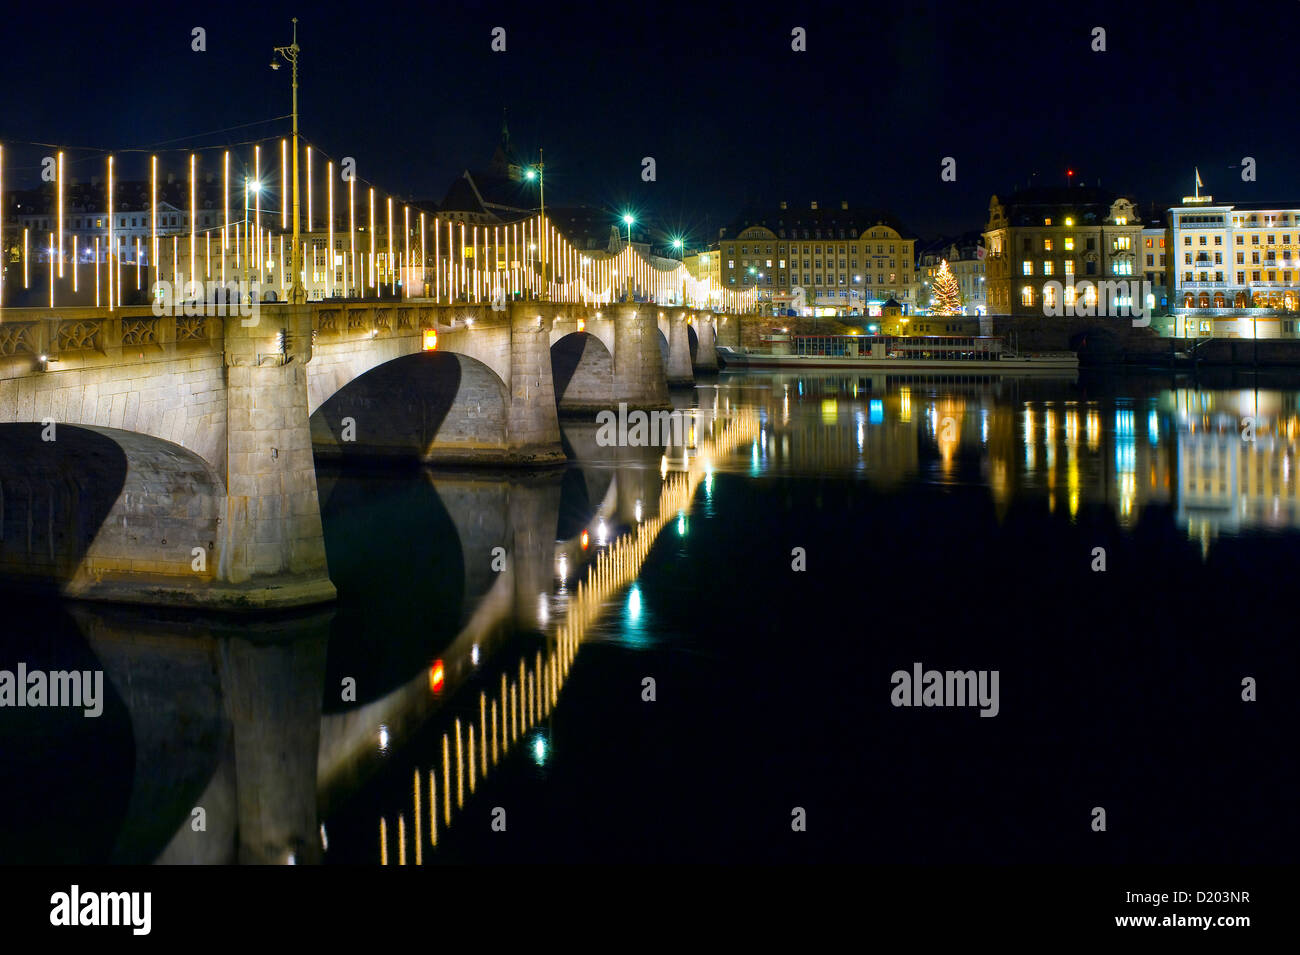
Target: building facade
(1042, 244)
(819, 261)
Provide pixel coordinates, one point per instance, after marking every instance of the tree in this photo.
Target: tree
(947, 294)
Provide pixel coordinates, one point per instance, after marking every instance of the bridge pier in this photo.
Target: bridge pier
(706, 353)
(679, 371)
(639, 379)
(273, 546)
(532, 422)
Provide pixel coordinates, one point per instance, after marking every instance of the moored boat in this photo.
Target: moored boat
(980, 354)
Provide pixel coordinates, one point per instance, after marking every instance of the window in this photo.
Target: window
(1092, 243)
(1047, 267)
(1047, 245)
(1027, 296)
(1027, 267)
(1049, 296)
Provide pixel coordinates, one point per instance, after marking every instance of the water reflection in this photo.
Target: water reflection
(1224, 459)
(466, 596)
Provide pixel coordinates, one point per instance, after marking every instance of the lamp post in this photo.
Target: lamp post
(539, 173)
(297, 294)
(627, 278)
(253, 186)
(681, 257)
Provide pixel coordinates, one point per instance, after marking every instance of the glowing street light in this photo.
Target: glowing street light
(628, 219)
(539, 173)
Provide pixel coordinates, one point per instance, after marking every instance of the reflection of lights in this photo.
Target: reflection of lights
(383, 738)
(563, 567)
(324, 839)
(663, 466)
(539, 749)
(681, 523)
(584, 540)
(634, 604)
(637, 511)
(437, 676)
(876, 414)
(602, 533)
(473, 654)
(543, 610)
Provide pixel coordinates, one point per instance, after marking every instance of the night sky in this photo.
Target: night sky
(712, 91)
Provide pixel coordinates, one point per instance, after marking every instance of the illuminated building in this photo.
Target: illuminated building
(1235, 271)
(846, 262)
(1040, 237)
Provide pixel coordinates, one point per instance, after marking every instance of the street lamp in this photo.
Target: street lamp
(681, 257)
(539, 173)
(297, 294)
(628, 219)
(254, 187)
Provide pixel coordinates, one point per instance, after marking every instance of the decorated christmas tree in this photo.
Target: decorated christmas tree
(947, 295)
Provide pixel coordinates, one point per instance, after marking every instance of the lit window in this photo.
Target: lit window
(1027, 268)
(1026, 296)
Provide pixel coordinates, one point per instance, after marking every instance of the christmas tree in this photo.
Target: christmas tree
(947, 296)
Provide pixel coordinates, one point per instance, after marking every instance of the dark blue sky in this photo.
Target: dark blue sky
(712, 91)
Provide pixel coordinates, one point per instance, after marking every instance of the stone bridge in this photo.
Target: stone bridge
(171, 459)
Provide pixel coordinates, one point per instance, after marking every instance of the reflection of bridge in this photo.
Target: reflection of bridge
(242, 719)
(188, 476)
(507, 716)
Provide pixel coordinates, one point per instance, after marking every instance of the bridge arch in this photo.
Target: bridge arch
(102, 513)
(582, 367)
(434, 407)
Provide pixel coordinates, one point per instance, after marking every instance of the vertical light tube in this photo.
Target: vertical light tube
(437, 262)
(53, 268)
(153, 217)
(372, 237)
(257, 203)
(75, 257)
(392, 279)
(309, 189)
(284, 187)
(225, 231)
(424, 258)
(60, 175)
(110, 233)
(352, 236)
(329, 256)
(194, 216)
(406, 250)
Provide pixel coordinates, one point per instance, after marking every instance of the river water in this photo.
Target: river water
(1120, 552)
